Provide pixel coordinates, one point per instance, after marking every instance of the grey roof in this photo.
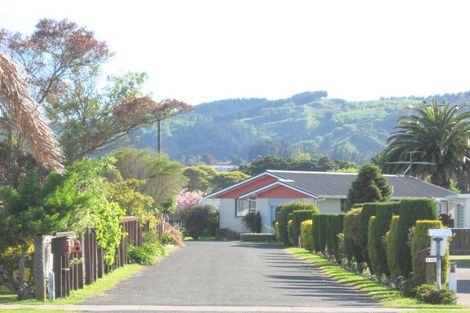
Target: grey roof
(325, 184)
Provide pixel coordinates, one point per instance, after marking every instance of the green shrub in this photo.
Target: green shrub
(227, 233)
(321, 227)
(373, 257)
(368, 210)
(306, 235)
(287, 208)
(290, 232)
(297, 218)
(411, 210)
(334, 226)
(390, 240)
(151, 244)
(384, 213)
(253, 221)
(276, 231)
(316, 233)
(429, 294)
(201, 220)
(139, 255)
(257, 237)
(352, 249)
(419, 241)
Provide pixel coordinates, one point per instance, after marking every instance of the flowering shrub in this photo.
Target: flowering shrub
(186, 199)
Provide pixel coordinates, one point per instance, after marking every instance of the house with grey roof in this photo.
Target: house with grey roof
(266, 191)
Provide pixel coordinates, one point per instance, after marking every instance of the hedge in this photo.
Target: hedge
(411, 210)
(257, 237)
(376, 246)
(276, 231)
(419, 241)
(390, 240)
(297, 218)
(306, 235)
(316, 233)
(287, 208)
(290, 231)
(321, 227)
(368, 210)
(351, 240)
(334, 226)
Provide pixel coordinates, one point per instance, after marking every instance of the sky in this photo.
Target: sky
(203, 50)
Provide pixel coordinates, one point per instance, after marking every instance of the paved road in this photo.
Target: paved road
(232, 274)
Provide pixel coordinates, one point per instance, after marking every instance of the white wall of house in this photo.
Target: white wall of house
(227, 216)
(459, 208)
(329, 206)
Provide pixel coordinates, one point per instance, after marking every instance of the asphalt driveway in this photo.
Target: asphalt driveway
(232, 274)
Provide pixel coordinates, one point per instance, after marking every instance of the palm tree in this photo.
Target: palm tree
(18, 104)
(441, 135)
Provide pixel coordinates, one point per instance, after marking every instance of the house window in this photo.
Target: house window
(244, 206)
(343, 205)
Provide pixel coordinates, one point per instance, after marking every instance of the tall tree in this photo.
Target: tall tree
(369, 186)
(440, 134)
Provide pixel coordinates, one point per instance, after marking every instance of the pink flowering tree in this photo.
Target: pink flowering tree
(186, 199)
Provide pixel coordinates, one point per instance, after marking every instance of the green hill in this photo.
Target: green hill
(242, 129)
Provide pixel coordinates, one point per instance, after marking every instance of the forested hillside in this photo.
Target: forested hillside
(242, 129)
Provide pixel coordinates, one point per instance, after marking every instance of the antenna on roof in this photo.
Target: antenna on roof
(410, 162)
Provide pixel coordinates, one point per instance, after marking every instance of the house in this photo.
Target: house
(266, 191)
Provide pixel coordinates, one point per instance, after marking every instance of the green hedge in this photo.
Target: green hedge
(257, 237)
(334, 226)
(351, 240)
(368, 210)
(276, 231)
(376, 246)
(321, 227)
(419, 241)
(287, 208)
(298, 216)
(373, 256)
(316, 233)
(411, 210)
(306, 235)
(390, 240)
(290, 232)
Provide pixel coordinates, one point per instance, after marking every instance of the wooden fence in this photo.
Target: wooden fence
(460, 243)
(74, 270)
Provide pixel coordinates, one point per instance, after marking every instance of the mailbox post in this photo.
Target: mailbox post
(438, 249)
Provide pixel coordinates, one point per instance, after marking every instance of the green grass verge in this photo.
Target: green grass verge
(388, 297)
(95, 289)
(32, 311)
(438, 311)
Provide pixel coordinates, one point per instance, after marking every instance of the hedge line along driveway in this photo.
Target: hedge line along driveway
(232, 274)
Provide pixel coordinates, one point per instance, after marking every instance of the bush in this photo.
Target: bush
(290, 232)
(384, 213)
(255, 237)
(227, 234)
(429, 294)
(351, 240)
(334, 226)
(411, 210)
(276, 231)
(321, 227)
(151, 244)
(297, 218)
(306, 235)
(368, 210)
(390, 246)
(201, 220)
(253, 221)
(139, 255)
(287, 208)
(373, 257)
(316, 233)
(419, 241)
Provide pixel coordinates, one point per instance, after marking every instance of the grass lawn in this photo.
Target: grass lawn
(388, 297)
(79, 296)
(33, 311)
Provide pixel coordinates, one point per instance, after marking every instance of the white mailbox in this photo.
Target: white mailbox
(439, 238)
